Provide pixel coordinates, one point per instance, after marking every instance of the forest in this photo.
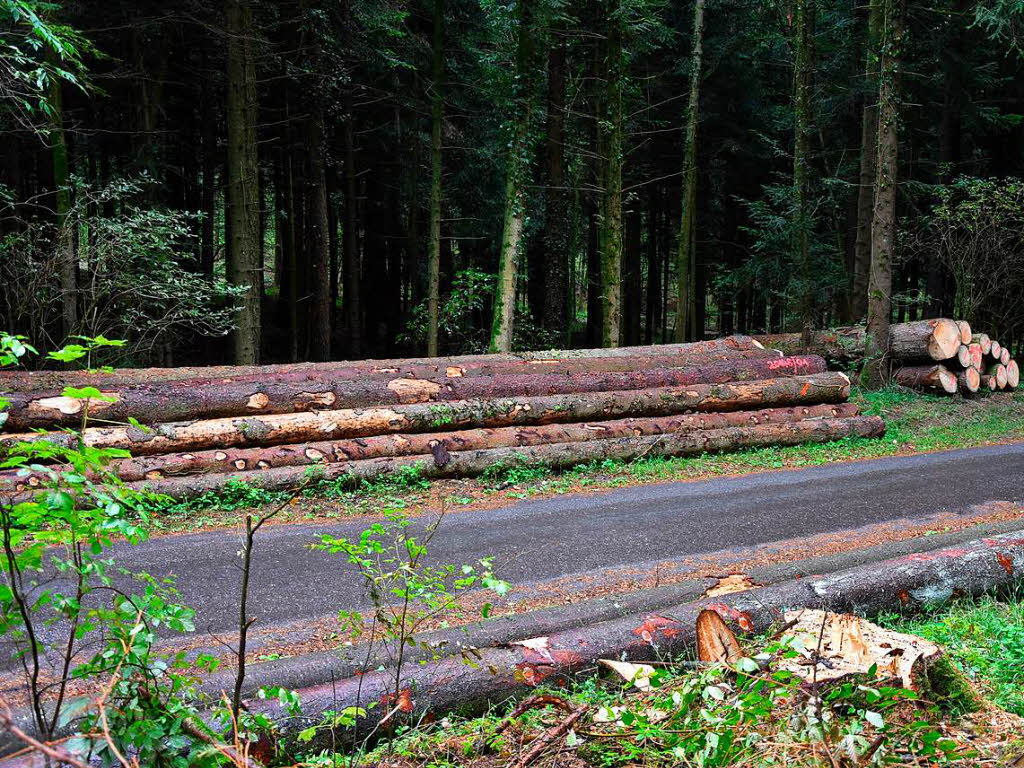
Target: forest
(278, 180)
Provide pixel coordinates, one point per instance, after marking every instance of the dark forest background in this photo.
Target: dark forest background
(256, 180)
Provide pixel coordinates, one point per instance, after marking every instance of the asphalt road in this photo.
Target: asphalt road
(539, 540)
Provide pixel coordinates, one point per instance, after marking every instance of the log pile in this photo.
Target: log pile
(938, 355)
(193, 430)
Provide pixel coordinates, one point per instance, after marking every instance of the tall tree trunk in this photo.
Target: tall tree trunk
(686, 258)
(351, 291)
(209, 191)
(652, 317)
(611, 241)
(434, 246)
(803, 125)
(556, 221)
(883, 223)
(65, 234)
(515, 189)
(868, 165)
(319, 244)
(242, 202)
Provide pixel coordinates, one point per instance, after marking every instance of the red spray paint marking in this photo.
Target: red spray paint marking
(655, 627)
(1006, 561)
(727, 612)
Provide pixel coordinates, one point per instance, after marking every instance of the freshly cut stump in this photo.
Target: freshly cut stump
(925, 377)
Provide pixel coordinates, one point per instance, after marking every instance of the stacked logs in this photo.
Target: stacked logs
(938, 355)
(193, 430)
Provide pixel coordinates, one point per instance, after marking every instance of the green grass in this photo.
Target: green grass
(984, 639)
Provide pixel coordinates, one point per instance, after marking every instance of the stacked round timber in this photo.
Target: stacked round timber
(1004, 356)
(963, 358)
(989, 382)
(996, 351)
(279, 429)
(554, 456)
(1012, 375)
(965, 331)
(656, 356)
(927, 377)
(998, 372)
(984, 340)
(439, 443)
(977, 355)
(937, 339)
(969, 380)
(291, 393)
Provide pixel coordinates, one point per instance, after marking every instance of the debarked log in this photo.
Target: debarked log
(180, 401)
(554, 456)
(279, 429)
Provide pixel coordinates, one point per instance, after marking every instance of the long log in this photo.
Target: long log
(333, 451)
(969, 380)
(188, 400)
(937, 339)
(712, 350)
(279, 429)
(1012, 374)
(965, 331)
(555, 456)
(925, 377)
(998, 371)
(984, 340)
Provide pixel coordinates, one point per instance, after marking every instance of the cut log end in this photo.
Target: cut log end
(969, 380)
(927, 377)
(965, 331)
(963, 356)
(945, 340)
(1012, 375)
(984, 341)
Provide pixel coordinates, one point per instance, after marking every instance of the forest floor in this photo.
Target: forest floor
(916, 423)
(968, 714)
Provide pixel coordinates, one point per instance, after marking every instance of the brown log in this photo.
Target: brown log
(926, 377)
(989, 382)
(998, 372)
(996, 351)
(965, 331)
(333, 451)
(730, 347)
(969, 380)
(963, 357)
(555, 456)
(189, 400)
(984, 340)
(1012, 375)
(937, 339)
(279, 429)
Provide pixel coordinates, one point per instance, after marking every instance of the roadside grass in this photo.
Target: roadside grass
(755, 714)
(915, 423)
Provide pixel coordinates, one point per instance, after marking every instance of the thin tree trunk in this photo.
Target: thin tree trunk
(65, 233)
(434, 246)
(883, 224)
(611, 240)
(868, 165)
(319, 242)
(803, 124)
(686, 259)
(352, 289)
(243, 204)
(556, 221)
(515, 190)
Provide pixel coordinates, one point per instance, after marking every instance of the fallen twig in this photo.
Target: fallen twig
(546, 738)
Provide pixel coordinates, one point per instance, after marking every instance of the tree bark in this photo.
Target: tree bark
(883, 222)
(192, 400)
(434, 244)
(555, 318)
(515, 188)
(67, 260)
(352, 288)
(937, 339)
(552, 360)
(611, 240)
(803, 124)
(425, 417)
(242, 203)
(933, 377)
(868, 164)
(555, 456)
(319, 241)
(332, 451)
(686, 256)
